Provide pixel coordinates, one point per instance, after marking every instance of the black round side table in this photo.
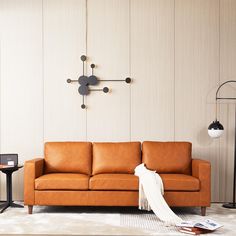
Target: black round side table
(8, 171)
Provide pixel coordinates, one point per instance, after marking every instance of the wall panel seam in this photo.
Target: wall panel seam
(174, 70)
(86, 51)
(43, 77)
(130, 89)
(219, 79)
(0, 103)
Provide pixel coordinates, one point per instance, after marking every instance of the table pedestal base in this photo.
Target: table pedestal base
(5, 205)
(9, 202)
(231, 205)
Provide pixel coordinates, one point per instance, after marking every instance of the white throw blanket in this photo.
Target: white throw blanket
(150, 195)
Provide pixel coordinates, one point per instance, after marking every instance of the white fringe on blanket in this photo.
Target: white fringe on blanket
(151, 193)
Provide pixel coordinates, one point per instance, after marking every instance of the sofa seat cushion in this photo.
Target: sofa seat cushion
(180, 182)
(114, 182)
(62, 181)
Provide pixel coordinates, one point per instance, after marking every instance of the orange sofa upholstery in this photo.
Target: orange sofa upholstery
(102, 174)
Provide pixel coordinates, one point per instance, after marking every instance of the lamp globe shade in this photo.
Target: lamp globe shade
(215, 129)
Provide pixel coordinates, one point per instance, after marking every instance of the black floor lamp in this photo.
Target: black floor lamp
(216, 129)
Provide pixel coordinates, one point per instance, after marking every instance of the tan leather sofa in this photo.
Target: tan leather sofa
(102, 174)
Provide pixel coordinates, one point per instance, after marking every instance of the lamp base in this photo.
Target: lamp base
(230, 205)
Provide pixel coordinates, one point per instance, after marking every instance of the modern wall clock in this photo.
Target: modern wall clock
(85, 82)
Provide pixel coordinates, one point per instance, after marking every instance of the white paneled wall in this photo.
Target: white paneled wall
(176, 52)
(227, 110)
(108, 115)
(196, 74)
(64, 27)
(152, 67)
(21, 129)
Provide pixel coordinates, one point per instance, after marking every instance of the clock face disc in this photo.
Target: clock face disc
(105, 89)
(128, 80)
(83, 80)
(83, 90)
(83, 58)
(92, 80)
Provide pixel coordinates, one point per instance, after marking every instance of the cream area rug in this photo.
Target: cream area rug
(104, 221)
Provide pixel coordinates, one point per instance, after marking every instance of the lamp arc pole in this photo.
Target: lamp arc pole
(217, 126)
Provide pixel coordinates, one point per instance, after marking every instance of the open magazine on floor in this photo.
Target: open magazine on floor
(205, 224)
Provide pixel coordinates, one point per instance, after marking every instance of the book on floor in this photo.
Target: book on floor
(193, 230)
(200, 227)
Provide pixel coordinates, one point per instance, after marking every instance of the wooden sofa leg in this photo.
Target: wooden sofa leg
(203, 211)
(30, 209)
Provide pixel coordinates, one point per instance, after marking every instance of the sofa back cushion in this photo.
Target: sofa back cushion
(116, 157)
(167, 157)
(70, 157)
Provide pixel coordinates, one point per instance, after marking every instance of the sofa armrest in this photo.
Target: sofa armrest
(201, 169)
(33, 169)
